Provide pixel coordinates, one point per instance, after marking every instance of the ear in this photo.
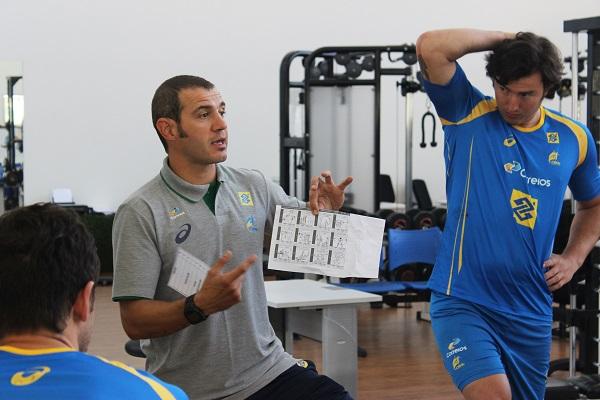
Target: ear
(167, 128)
(82, 308)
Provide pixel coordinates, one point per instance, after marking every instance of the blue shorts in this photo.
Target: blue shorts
(476, 342)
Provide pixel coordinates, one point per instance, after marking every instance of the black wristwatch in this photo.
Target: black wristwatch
(192, 313)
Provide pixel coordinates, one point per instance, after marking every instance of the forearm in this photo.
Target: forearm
(438, 50)
(583, 235)
(144, 319)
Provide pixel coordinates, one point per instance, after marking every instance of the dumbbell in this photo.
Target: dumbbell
(420, 219)
(383, 213)
(423, 220)
(439, 217)
(397, 221)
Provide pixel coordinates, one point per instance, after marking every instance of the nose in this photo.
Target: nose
(512, 102)
(219, 123)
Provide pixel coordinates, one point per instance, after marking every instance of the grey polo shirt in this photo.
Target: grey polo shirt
(235, 352)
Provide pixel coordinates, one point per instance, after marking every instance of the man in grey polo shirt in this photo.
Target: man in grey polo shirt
(217, 343)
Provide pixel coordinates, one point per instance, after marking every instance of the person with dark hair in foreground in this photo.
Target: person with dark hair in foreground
(48, 269)
(218, 342)
(509, 161)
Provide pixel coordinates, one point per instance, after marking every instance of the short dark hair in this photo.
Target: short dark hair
(165, 103)
(47, 256)
(524, 55)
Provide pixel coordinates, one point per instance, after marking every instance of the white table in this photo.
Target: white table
(326, 313)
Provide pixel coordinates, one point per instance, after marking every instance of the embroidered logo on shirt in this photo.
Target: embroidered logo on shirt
(29, 376)
(453, 343)
(175, 212)
(524, 208)
(509, 141)
(455, 350)
(456, 363)
(515, 166)
(512, 167)
(183, 234)
(251, 224)
(552, 137)
(246, 199)
(553, 158)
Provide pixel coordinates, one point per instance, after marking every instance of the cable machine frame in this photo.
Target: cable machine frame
(302, 145)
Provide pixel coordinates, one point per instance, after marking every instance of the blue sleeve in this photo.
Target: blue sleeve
(456, 99)
(585, 180)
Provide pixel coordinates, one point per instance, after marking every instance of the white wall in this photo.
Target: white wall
(91, 68)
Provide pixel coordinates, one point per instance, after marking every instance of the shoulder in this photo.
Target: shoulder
(147, 191)
(140, 201)
(557, 118)
(118, 374)
(565, 126)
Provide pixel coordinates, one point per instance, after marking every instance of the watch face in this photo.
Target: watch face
(192, 313)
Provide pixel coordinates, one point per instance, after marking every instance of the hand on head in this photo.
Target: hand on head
(325, 194)
(222, 290)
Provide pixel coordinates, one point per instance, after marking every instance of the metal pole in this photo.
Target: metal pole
(397, 182)
(377, 131)
(574, 87)
(408, 150)
(573, 337)
(10, 82)
(574, 113)
(574, 75)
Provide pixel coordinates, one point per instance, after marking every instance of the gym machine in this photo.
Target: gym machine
(330, 117)
(582, 316)
(12, 174)
(592, 78)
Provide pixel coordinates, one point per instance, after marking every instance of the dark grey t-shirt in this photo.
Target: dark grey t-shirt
(235, 352)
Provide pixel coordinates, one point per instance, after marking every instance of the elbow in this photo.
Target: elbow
(425, 43)
(132, 325)
(132, 331)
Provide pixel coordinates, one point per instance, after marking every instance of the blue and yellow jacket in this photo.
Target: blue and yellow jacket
(505, 187)
(63, 373)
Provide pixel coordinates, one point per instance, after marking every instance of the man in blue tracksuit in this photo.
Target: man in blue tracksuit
(48, 270)
(509, 161)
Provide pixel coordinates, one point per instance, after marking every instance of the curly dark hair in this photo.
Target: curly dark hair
(47, 256)
(165, 103)
(524, 55)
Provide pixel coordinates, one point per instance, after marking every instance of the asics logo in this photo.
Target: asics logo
(183, 233)
(32, 375)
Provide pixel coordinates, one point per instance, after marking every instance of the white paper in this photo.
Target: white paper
(331, 243)
(62, 196)
(187, 274)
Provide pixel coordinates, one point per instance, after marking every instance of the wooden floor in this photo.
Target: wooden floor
(402, 361)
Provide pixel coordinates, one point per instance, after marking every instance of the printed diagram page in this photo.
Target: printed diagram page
(331, 243)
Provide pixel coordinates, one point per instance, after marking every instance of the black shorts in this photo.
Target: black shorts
(302, 382)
